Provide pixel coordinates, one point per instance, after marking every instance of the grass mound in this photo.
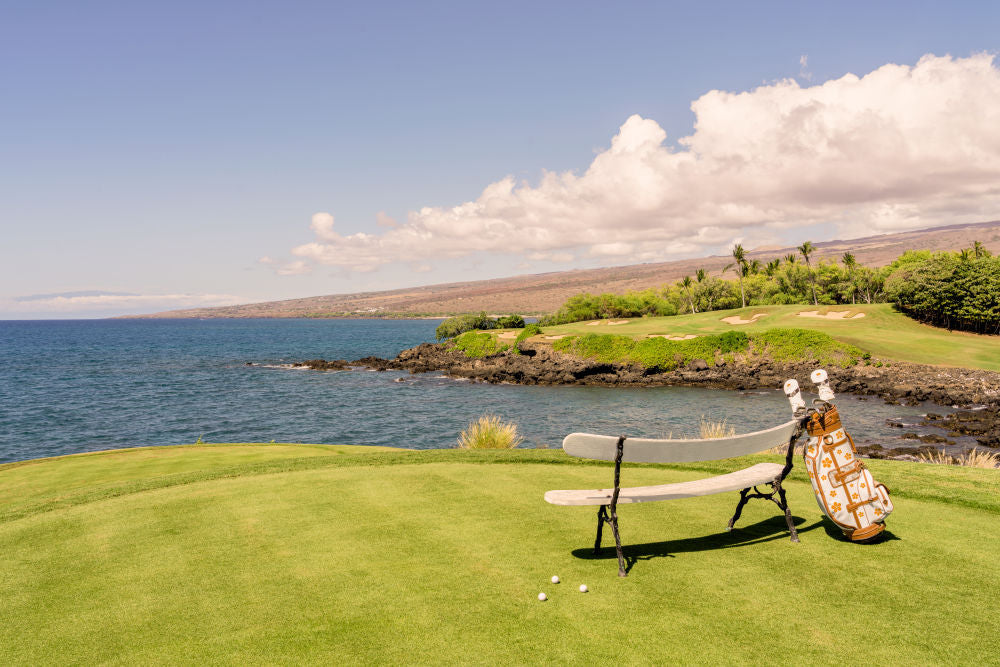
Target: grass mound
(656, 353)
(883, 332)
(797, 344)
(477, 344)
(666, 355)
(311, 554)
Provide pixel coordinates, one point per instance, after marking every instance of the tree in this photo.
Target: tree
(740, 255)
(772, 267)
(807, 249)
(791, 258)
(686, 284)
(979, 250)
(700, 275)
(850, 264)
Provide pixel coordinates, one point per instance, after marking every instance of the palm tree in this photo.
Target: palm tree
(740, 256)
(791, 258)
(850, 263)
(772, 267)
(754, 266)
(978, 250)
(686, 284)
(807, 249)
(701, 275)
(965, 255)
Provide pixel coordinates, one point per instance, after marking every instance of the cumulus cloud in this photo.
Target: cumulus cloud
(899, 148)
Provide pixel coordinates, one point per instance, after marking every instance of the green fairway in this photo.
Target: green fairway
(298, 553)
(882, 331)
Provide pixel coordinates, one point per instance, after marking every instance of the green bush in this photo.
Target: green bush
(604, 306)
(475, 344)
(802, 344)
(653, 353)
(528, 332)
(946, 289)
(453, 326)
(510, 322)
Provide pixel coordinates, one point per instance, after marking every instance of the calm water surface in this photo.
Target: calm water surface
(85, 385)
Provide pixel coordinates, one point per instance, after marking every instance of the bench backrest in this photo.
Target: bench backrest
(644, 450)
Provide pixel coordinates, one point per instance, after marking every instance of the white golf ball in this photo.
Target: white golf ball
(542, 597)
(583, 588)
(555, 579)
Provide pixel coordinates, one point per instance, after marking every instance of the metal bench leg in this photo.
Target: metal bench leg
(788, 514)
(739, 508)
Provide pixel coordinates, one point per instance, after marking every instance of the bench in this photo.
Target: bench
(621, 449)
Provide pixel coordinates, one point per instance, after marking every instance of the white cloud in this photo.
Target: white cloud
(296, 268)
(804, 72)
(899, 148)
(79, 302)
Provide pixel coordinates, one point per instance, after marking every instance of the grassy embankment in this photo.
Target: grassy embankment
(299, 553)
(883, 332)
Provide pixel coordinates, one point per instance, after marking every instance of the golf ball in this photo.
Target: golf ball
(583, 588)
(555, 579)
(542, 597)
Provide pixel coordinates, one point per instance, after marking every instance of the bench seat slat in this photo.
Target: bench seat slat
(761, 473)
(603, 447)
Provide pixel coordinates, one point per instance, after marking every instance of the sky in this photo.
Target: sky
(170, 155)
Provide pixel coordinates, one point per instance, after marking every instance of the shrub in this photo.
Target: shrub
(653, 353)
(528, 332)
(475, 344)
(489, 432)
(510, 322)
(802, 344)
(453, 326)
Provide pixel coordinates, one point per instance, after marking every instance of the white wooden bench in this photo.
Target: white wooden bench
(621, 449)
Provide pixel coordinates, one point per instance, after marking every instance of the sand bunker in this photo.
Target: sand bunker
(507, 335)
(593, 324)
(671, 337)
(617, 322)
(555, 337)
(832, 315)
(736, 319)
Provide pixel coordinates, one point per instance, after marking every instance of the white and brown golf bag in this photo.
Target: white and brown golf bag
(844, 488)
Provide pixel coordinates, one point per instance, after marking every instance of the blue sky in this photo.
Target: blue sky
(159, 152)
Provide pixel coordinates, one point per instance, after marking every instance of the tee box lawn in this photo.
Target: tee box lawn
(229, 554)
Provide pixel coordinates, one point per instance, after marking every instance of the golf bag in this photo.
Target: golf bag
(843, 486)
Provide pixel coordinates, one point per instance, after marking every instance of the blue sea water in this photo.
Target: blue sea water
(85, 385)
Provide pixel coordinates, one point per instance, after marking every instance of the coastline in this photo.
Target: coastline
(975, 394)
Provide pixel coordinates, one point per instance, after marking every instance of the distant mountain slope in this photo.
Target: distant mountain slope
(543, 293)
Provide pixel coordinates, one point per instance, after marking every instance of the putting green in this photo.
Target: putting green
(438, 557)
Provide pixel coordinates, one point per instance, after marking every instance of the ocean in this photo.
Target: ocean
(85, 385)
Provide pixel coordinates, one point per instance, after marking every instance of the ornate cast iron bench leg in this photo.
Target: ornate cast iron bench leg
(739, 508)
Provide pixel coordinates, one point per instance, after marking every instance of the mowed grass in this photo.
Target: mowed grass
(883, 332)
(438, 557)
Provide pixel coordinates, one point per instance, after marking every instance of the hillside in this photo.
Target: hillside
(543, 293)
(307, 554)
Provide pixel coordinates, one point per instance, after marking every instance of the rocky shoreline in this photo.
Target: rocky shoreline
(975, 392)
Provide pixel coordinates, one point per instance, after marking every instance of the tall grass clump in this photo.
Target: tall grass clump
(970, 459)
(489, 432)
(712, 429)
(654, 353)
(476, 345)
